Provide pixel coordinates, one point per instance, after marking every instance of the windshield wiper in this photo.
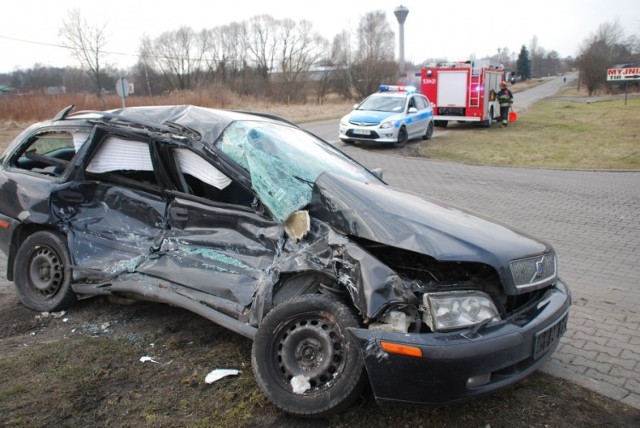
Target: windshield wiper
(310, 183)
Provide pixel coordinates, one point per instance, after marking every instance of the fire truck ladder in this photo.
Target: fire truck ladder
(474, 93)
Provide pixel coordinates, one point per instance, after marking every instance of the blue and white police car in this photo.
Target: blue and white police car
(393, 115)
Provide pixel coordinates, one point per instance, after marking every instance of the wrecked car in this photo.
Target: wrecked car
(247, 220)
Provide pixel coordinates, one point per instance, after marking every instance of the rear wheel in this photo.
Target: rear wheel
(42, 273)
(304, 359)
(403, 137)
(429, 132)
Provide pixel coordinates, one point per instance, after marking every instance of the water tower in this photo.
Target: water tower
(401, 13)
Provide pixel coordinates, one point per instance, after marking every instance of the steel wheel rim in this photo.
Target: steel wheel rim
(45, 271)
(312, 347)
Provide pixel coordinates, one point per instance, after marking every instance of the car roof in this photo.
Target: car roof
(199, 123)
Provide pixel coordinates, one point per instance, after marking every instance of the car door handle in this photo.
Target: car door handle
(71, 196)
(179, 213)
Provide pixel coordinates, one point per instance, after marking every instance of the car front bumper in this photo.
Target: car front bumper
(368, 133)
(454, 367)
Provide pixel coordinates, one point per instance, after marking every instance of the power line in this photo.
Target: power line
(55, 45)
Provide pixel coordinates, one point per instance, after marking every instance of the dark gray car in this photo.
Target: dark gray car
(261, 227)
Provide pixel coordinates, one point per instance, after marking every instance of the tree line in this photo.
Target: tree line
(286, 60)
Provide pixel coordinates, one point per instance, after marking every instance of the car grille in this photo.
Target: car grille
(372, 136)
(534, 272)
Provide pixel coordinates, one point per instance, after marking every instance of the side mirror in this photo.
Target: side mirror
(413, 110)
(355, 106)
(377, 172)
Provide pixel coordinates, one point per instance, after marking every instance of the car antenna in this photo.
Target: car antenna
(64, 112)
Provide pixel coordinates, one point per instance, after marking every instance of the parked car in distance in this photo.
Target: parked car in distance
(261, 227)
(393, 115)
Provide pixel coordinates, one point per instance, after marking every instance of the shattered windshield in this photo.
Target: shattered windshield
(284, 162)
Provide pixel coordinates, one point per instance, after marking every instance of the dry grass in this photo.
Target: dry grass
(31, 108)
(563, 132)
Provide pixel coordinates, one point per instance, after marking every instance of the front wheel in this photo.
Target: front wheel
(403, 137)
(304, 359)
(42, 273)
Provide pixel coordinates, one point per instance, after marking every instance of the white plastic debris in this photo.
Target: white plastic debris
(218, 374)
(148, 359)
(300, 384)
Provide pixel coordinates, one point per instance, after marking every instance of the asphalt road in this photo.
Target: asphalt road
(592, 218)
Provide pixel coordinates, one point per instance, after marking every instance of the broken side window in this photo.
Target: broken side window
(202, 179)
(122, 158)
(48, 153)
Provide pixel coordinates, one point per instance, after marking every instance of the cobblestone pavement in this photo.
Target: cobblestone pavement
(591, 218)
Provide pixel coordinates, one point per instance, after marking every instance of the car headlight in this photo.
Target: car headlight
(386, 125)
(457, 309)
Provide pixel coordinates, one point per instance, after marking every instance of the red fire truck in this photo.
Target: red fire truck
(462, 92)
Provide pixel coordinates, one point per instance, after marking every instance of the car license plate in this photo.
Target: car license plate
(548, 337)
(361, 132)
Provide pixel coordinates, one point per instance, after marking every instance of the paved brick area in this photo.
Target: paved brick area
(593, 221)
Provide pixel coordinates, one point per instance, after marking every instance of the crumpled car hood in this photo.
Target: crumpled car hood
(382, 214)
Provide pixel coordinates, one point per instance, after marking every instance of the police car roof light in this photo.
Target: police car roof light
(395, 88)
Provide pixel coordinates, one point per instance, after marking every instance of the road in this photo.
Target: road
(592, 218)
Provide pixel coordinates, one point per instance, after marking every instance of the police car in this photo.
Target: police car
(394, 115)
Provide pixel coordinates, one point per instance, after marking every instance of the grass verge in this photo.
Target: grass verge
(80, 375)
(563, 132)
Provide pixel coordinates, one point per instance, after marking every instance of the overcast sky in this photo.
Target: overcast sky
(451, 29)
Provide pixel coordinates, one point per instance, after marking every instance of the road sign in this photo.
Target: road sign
(122, 88)
(623, 74)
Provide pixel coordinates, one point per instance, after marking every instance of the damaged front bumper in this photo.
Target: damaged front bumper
(457, 365)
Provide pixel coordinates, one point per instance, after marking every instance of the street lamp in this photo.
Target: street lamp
(401, 13)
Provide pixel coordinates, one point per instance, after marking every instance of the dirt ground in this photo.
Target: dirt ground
(83, 368)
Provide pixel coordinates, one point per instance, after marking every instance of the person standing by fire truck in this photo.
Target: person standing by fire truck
(505, 99)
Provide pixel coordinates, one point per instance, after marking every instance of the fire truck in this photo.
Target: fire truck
(461, 92)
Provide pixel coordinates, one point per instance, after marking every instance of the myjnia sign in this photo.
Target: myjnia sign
(622, 74)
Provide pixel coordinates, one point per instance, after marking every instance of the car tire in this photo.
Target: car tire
(306, 339)
(403, 137)
(42, 273)
(429, 132)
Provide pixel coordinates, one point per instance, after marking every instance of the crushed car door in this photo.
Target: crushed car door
(217, 243)
(115, 213)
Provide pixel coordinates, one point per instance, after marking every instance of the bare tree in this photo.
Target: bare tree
(87, 44)
(261, 42)
(374, 62)
(179, 56)
(299, 49)
(603, 50)
(228, 54)
(340, 60)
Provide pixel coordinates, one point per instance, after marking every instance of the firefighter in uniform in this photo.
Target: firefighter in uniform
(505, 99)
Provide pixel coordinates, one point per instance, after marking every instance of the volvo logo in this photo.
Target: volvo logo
(540, 268)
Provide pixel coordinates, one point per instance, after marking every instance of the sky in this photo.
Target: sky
(445, 29)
